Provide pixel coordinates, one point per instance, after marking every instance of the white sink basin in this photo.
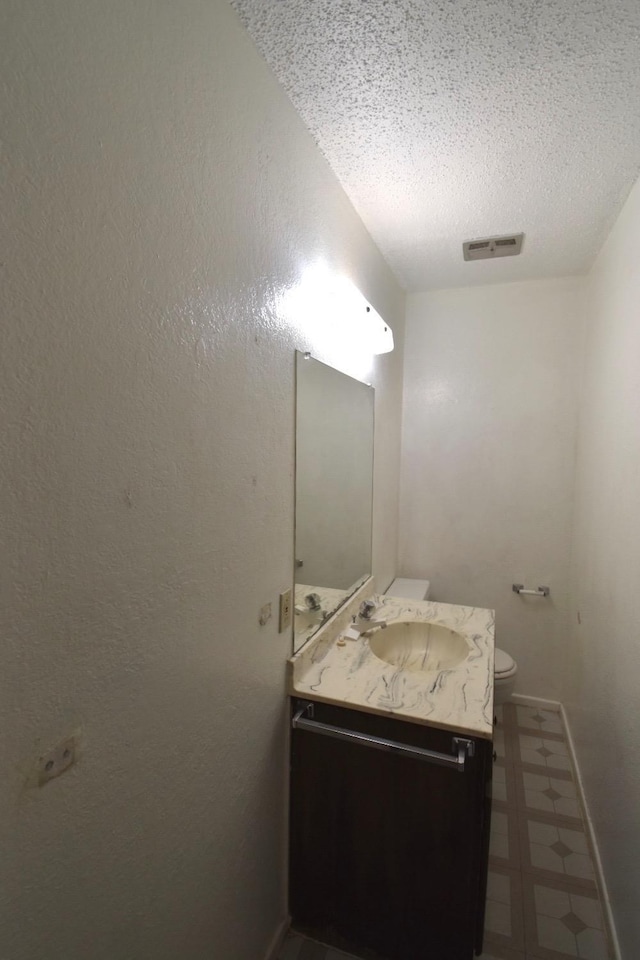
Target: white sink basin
(419, 646)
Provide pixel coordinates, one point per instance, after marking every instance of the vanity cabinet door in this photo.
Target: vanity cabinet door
(388, 853)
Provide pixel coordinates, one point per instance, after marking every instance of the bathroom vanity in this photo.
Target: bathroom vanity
(390, 783)
(392, 718)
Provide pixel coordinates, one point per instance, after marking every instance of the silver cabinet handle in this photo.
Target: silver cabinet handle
(462, 748)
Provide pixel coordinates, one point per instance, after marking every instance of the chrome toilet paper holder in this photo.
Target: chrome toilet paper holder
(520, 590)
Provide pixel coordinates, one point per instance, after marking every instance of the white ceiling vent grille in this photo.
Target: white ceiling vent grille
(491, 247)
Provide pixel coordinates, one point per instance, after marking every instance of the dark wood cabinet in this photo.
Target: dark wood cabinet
(388, 852)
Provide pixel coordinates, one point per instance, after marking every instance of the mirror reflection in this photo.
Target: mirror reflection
(334, 491)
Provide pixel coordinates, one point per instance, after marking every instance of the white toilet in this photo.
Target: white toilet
(505, 668)
(409, 589)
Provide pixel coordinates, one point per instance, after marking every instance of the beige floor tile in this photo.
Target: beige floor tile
(536, 781)
(554, 935)
(499, 774)
(543, 833)
(551, 754)
(551, 902)
(499, 822)
(498, 887)
(575, 839)
(562, 917)
(550, 794)
(533, 718)
(504, 844)
(504, 920)
(501, 842)
(499, 846)
(562, 840)
(557, 904)
(557, 762)
(565, 807)
(588, 909)
(532, 742)
(497, 918)
(499, 783)
(544, 858)
(535, 800)
(559, 849)
(579, 865)
(505, 783)
(592, 945)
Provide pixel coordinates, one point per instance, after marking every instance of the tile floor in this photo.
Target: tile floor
(542, 901)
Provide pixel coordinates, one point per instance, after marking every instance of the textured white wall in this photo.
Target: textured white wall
(603, 678)
(490, 406)
(163, 199)
(387, 380)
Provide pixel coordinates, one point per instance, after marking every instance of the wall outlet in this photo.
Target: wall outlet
(56, 761)
(285, 610)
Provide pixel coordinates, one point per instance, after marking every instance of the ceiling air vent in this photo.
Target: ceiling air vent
(492, 247)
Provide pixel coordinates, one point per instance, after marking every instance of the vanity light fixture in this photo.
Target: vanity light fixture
(362, 326)
(380, 334)
(337, 320)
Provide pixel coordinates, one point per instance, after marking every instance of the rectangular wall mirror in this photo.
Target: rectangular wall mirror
(334, 491)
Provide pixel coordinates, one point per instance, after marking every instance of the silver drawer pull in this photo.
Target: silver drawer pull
(462, 748)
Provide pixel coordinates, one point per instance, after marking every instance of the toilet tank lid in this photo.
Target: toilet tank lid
(409, 589)
(503, 662)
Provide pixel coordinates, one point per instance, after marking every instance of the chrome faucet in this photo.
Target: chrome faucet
(313, 601)
(364, 623)
(367, 609)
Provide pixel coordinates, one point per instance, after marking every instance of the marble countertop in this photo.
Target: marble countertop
(459, 698)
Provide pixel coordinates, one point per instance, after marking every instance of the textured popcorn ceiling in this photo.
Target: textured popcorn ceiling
(447, 120)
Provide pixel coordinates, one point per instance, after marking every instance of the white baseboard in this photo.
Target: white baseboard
(600, 879)
(524, 701)
(278, 939)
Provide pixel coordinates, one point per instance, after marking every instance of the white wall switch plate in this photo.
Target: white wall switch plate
(285, 610)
